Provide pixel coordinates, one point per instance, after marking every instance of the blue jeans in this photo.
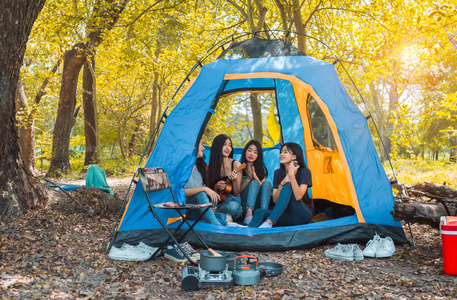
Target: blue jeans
(287, 211)
(256, 195)
(209, 217)
(231, 206)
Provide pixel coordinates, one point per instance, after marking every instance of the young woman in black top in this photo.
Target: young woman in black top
(290, 185)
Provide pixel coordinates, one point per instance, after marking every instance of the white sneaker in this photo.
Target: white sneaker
(128, 252)
(372, 246)
(234, 224)
(266, 224)
(386, 248)
(358, 254)
(145, 248)
(340, 251)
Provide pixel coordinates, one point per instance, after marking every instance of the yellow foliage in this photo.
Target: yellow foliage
(413, 171)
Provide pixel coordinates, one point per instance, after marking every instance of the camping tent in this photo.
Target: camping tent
(349, 173)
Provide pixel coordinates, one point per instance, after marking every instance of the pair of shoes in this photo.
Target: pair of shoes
(379, 247)
(348, 252)
(266, 224)
(175, 254)
(145, 248)
(129, 252)
(247, 220)
(190, 251)
(234, 224)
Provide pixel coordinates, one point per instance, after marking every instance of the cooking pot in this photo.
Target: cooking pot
(212, 262)
(230, 258)
(246, 273)
(268, 268)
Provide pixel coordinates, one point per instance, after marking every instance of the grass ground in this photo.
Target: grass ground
(412, 171)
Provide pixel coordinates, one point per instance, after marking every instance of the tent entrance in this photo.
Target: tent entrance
(287, 112)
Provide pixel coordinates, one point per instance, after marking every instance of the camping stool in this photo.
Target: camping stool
(156, 179)
(444, 201)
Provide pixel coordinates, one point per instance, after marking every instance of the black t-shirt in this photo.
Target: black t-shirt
(303, 176)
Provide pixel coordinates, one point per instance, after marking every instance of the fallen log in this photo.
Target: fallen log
(420, 213)
(431, 190)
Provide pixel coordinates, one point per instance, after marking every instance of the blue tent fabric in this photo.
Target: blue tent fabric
(175, 145)
(63, 186)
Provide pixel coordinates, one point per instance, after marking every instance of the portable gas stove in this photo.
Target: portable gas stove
(203, 279)
(212, 279)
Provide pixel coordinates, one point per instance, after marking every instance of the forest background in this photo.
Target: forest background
(98, 74)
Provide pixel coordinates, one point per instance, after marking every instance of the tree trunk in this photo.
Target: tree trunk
(282, 13)
(134, 138)
(26, 130)
(90, 123)
(19, 190)
(256, 109)
(299, 26)
(26, 124)
(72, 62)
(453, 148)
(378, 117)
(393, 100)
(105, 15)
(120, 137)
(155, 91)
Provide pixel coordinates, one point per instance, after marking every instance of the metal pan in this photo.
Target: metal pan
(268, 268)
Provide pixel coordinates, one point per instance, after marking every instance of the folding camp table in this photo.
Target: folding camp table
(155, 179)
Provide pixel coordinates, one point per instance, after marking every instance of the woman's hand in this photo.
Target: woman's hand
(220, 185)
(215, 198)
(285, 181)
(255, 174)
(251, 173)
(292, 170)
(232, 176)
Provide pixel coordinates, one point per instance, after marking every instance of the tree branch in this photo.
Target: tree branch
(148, 9)
(240, 9)
(262, 13)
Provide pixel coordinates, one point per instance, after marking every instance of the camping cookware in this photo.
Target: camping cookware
(246, 273)
(268, 268)
(230, 258)
(213, 261)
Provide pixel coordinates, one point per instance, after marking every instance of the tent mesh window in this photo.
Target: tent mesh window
(257, 47)
(234, 116)
(322, 134)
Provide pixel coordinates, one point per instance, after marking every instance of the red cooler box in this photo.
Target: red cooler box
(448, 228)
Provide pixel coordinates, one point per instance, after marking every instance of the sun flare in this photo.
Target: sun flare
(409, 56)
